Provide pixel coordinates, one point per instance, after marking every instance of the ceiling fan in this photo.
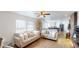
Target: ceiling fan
(43, 13)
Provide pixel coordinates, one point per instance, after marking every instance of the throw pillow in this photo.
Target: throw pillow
(19, 35)
(30, 34)
(25, 36)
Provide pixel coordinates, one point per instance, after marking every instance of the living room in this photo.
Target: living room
(37, 29)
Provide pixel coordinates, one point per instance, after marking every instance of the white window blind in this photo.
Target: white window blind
(30, 26)
(20, 25)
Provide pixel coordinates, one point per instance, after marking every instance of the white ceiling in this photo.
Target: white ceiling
(53, 14)
(26, 13)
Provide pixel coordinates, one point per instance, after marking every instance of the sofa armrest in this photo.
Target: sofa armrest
(17, 41)
(1, 42)
(56, 36)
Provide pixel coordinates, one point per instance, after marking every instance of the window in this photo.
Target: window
(20, 25)
(30, 26)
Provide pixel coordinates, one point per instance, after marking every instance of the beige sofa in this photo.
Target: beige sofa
(23, 39)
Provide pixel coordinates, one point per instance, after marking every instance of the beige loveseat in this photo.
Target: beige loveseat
(23, 39)
(50, 34)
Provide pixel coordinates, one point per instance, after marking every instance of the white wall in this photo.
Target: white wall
(8, 24)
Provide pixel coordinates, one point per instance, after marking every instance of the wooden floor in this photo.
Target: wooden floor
(62, 42)
(46, 43)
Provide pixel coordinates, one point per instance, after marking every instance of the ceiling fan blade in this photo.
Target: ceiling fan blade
(47, 14)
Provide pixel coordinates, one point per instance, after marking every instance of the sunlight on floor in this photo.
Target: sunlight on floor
(67, 43)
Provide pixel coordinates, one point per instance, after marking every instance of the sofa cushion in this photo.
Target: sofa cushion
(30, 34)
(19, 35)
(25, 36)
(36, 33)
